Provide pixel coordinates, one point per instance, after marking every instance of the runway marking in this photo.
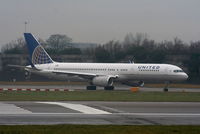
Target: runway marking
(12, 109)
(78, 107)
(162, 114)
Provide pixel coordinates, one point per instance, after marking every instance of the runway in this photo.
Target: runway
(98, 113)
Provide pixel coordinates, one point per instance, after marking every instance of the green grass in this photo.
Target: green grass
(99, 96)
(98, 129)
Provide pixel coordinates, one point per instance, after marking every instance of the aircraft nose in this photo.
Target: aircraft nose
(185, 76)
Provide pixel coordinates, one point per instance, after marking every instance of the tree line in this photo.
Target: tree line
(137, 48)
(141, 49)
(55, 44)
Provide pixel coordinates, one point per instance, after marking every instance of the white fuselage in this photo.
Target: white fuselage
(124, 71)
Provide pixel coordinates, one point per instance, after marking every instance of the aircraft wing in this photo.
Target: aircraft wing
(80, 74)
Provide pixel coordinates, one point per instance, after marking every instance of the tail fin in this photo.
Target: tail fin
(37, 53)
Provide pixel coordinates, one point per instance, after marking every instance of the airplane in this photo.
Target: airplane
(98, 74)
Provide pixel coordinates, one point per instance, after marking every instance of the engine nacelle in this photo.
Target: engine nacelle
(134, 84)
(102, 81)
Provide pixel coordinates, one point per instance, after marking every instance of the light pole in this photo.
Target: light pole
(25, 23)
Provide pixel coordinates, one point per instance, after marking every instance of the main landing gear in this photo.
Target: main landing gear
(109, 88)
(92, 87)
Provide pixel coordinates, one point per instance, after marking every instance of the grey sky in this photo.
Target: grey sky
(99, 21)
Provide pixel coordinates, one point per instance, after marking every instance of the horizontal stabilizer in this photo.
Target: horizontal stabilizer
(16, 66)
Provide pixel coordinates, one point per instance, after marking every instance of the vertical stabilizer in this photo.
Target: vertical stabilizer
(37, 53)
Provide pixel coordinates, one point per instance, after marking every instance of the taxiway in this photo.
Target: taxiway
(91, 112)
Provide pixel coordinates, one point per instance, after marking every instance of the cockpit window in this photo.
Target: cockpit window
(177, 71)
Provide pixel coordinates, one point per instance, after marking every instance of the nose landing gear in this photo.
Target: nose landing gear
(166, 88)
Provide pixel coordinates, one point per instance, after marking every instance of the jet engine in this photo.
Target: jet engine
(102, 81)
(134, 83)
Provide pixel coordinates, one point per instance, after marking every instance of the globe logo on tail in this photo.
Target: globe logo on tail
(40, 56)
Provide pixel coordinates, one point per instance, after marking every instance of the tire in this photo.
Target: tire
(91, 87)
(109, 88)
(165, 89)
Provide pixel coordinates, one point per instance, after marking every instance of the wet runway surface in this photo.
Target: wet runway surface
(91, 112)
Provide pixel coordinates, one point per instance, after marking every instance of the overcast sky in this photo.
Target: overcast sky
(100, 21)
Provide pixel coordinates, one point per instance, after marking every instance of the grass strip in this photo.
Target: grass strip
(100, 96)
(98, 129)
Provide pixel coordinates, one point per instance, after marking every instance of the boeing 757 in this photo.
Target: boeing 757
(98, 74)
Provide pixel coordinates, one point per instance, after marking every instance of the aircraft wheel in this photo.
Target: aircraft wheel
(165, 89)
(166, 86)
(109, 88)
(91, 87)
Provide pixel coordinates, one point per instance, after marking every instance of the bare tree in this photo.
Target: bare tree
(58, 41)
